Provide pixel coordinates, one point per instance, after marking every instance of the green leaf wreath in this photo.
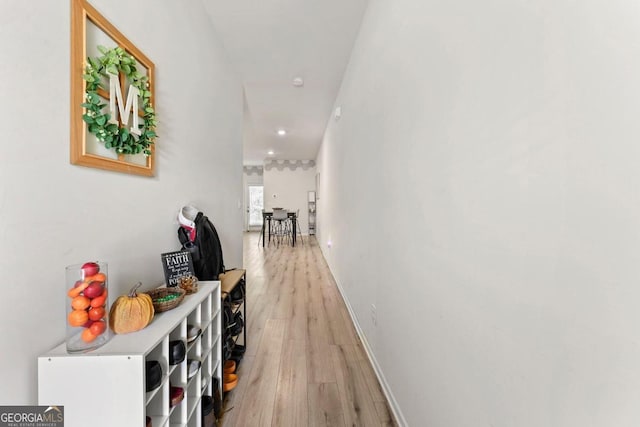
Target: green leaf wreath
(115, 61)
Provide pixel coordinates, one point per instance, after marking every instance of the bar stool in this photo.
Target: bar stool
(280, 225)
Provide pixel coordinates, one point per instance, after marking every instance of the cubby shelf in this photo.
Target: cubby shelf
(114, 374)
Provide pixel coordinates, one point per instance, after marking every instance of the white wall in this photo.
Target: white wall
(287, 187)
(53, 214)
(494, 149)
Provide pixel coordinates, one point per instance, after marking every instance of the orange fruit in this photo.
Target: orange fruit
(97, 328)
(87, 335)
(78, 317)
(96, 313)
(99, 277)
(99, 301)
(75, 291)
(80, 302)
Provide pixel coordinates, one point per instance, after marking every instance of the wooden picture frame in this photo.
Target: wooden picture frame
(89, 29)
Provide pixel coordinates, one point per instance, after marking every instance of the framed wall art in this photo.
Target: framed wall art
(113, 120)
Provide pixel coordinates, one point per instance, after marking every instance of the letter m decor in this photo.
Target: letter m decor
(89, 29)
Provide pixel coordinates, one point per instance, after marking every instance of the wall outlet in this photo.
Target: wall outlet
(374, 315)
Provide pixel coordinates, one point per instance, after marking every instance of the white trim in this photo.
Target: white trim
(393, 404)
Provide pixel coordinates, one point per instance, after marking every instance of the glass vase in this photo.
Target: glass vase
(87, 303)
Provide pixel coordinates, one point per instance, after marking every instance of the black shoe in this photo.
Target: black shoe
(238, 323)
(193, 332)
(238, 350)
(192, 366)
(177, 351)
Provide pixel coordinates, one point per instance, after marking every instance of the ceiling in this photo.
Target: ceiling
(271, 42)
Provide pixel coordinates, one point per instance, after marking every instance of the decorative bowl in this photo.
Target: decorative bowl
(164, 299)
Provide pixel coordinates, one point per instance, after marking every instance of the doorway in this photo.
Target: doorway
(255, 205)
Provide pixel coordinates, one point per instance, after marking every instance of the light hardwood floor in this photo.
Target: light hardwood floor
(304, 365)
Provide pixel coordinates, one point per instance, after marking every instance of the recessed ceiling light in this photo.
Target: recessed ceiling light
(298, 82)
(270, 152)
(282, 132)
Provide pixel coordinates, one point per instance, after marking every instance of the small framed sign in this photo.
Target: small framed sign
(177, 265)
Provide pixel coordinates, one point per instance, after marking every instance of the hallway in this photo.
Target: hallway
(304, 363)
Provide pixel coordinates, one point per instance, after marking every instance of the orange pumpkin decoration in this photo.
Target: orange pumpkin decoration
(132, 312)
